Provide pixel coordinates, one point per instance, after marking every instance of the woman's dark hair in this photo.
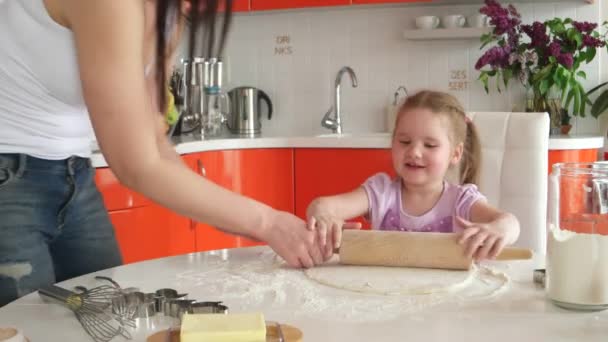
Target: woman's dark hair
(202, 38)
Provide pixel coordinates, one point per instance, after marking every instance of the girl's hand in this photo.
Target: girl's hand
(329, 232)
(483, 240)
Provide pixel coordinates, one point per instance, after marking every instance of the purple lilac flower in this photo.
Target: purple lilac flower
(496, 57)
(513, 11)
(592, 41)
(537, 33)
(555, 49)
(532, 57)
(504, 20)
(566, 60)
(523, 77)
(514, 57)
(584, 27)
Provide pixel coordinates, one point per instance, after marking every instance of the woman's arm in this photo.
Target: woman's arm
(108, 37)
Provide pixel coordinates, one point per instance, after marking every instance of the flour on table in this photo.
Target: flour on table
(390, 280)
(266, 281)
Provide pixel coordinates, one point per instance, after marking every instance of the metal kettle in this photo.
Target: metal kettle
(245, 114)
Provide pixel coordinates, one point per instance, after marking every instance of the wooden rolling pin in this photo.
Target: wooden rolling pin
(411, 249)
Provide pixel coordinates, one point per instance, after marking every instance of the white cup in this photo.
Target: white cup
(453, 21)
(478, 20)
(427, 22)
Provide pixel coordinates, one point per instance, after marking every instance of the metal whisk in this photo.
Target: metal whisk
(92, 308)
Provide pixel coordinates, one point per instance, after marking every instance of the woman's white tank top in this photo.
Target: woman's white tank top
(42, 110)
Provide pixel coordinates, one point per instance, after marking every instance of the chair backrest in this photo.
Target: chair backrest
(513, 176)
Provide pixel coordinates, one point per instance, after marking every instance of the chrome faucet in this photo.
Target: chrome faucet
(335, 124)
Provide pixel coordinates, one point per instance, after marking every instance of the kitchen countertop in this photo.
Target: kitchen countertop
(187, 145)
(519, 313)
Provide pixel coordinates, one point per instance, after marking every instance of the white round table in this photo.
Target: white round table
(238, 278)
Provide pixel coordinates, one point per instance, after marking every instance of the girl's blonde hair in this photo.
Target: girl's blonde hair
(462, 129)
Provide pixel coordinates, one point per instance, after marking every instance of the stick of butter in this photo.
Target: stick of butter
(244, 327)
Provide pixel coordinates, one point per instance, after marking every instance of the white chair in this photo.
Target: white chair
(515, 152)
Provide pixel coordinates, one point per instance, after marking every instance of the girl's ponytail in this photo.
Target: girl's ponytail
(471, 157)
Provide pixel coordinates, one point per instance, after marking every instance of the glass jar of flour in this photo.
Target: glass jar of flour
(577, 249)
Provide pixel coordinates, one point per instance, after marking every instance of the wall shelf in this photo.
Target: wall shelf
(444, 34)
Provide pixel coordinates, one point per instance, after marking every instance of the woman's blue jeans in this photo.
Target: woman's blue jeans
(53, 224)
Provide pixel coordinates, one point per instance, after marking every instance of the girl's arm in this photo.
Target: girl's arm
(327, 214)
(488, 231)
(109, 41)
(343, 206)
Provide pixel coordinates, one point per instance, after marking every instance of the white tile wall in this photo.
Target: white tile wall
(369, 39)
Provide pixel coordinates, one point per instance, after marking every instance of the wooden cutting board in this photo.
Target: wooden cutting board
(290, 334)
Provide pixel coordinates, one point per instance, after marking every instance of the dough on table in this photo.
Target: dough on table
(390, 280)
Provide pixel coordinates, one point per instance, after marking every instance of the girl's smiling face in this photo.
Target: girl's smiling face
(422, 150)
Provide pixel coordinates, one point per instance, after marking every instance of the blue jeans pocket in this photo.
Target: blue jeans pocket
(6, 174)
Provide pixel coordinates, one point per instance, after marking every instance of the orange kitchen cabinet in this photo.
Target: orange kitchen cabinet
(572, 156)
(181, 233)
(266, 175)
(210, 164)
(141, 232)
(240, 5)
(359, 2)
(261, 5)
(115, 195)
(237, 5)
(321, 172)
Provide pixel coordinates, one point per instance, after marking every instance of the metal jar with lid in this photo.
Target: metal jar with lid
(577, 248)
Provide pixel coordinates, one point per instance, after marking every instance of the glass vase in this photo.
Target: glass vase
(550, 102)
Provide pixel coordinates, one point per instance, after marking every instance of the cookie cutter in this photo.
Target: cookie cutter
(539, 277)
(161, 296)
(208, 307)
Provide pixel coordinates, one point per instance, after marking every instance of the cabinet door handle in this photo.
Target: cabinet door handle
(201, 167)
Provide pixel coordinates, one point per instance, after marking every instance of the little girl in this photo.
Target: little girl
(432, 135)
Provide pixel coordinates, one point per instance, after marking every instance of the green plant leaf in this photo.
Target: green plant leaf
(507, 74)
(600, 105)
(575, 36)
(498, 81)
(590, 54)
(582, 74)
(569, 100)
(544, 86)
(485, 39)
(483, 77)
(544, 72)
(577, 101)
(564, 93)
(596, 87)
(581, 92)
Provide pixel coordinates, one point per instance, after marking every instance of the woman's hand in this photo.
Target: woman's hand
(288, 237)
(483, 240)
